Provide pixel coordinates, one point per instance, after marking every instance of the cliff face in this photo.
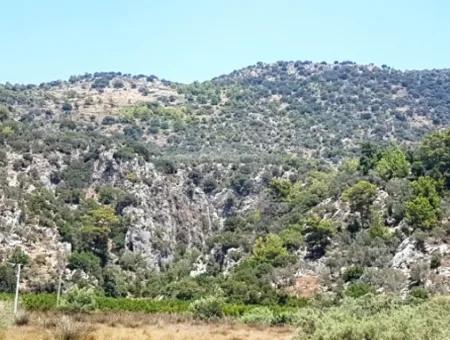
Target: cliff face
(111, 167)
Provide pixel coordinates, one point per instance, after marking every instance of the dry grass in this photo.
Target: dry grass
(6, 317)
(135, 326)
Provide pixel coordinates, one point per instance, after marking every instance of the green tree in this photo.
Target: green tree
(317, 233)
(370, 154)
(269, 249)
(114, 282)
(428, 187)
(19, 256)
(292, 237)
(98, 224)
(85, 261)
(360, 197)
(420, 213)
(377, 227)
(4, 113)
(423, 211)
(7, 278)
(281, 187)
(393, 163)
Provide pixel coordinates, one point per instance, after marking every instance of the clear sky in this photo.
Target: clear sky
(183, 41)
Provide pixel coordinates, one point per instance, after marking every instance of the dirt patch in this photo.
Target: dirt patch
(305, 286)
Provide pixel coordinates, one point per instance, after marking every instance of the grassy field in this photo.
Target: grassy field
(370, 317)
(131, 326)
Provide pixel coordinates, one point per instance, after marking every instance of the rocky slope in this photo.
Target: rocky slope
(132, 174)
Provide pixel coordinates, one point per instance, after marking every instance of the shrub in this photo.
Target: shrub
(166, 166)
(85, 261)
(360, 197)
(3, 158)
(292, 237)
(209, 185)
(67, 107)
(21, 319)
(100, 83)
(243, 186)
(419, 293)
(114, 282)
(435, 261)
(352, 274)
(125, 153)
(4, 113)
(284, 318)
(393, 163)
(39, 302)
(259, 315)
(281, 187)
(358, 289)
(423, 211)
(421, 214)
(318, 233)
(376, 318)
(69, 329)
(79, 299)
(142, 305)
(118, 84)
(207, 308)
(270, 249)
(7, 278)
(77, 174)
(108, 120)
(19, 256)
(5, 313)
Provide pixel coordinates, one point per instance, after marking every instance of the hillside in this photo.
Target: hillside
(274, 181)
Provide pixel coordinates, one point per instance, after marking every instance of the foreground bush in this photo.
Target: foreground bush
(377, 318)
(207, 308)
(79, 300)
(69, 329)
(21, 319)
(259, 315)
(142, 305)
(39, 302)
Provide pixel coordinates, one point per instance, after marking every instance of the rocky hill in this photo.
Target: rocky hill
(276, 180)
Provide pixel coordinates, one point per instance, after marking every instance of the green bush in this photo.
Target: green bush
(358, 289)
(352, 273)
(209, 185)
(270, 249)
(77, 174)
(393, 163)
(39, 302)
(79, 300)
(86, 261)
(435, 261)
(166, 166)
(259, 315)
(376, 318)
(4, 113)
(7, 278)
(207, 308)
(114, 282)
(419, 293)
(142, 305)
(285, 317)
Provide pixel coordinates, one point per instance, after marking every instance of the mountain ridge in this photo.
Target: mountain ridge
(271, 177)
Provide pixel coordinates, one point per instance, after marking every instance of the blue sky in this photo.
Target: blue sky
(199, 39)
